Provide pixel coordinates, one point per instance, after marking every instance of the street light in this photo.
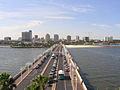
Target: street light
(21, 69)
(28, 64)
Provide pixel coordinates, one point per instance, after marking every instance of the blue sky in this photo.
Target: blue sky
(94, 18)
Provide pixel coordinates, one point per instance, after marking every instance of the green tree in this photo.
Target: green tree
(38, 83)
(6, 82)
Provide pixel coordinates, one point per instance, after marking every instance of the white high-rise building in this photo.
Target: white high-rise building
(27, 36)
(108, 38)
(47, 37)
(77, 38)
(56, 37)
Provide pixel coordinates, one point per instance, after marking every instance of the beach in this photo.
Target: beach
(81, 46)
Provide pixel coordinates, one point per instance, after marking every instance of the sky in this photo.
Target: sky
(93, 18)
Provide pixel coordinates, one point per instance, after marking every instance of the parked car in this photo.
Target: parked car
(67, 69)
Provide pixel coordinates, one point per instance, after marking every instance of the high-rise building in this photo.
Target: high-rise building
(68, 38)
(36, 39)
(77, 38)
(7, 38)
(108, 38)
(27, 36)
(47, 37)
(86, 39)
(42, 39)
(56, 37)
(36, 36)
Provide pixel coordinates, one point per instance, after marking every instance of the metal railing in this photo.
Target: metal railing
(76, 80)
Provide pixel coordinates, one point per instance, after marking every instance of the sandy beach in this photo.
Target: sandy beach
(81, 46)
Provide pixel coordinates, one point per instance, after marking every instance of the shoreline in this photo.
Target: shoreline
(6, 46)
(90, 46)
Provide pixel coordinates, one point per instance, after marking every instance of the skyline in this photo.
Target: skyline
(65, 17)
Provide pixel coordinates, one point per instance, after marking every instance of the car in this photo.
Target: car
(51, 73)
(53, 56)
(50, 81)
(64, 62)
(53, 69)
(51, 76)
(54, 65)
(67, 69)
(40, 64)
(45, 58)
(37, 67)
(42, 61)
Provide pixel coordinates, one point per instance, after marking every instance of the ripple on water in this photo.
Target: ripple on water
(101, 65)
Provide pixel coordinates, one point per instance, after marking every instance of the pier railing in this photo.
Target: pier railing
(76, 80)
(20, 76)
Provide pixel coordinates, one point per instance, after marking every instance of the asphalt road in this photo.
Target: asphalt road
(35, 72)
(47, 71)
(60, 85)
(66, 83)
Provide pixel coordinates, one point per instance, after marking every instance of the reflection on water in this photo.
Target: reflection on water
(11, 59)
(101, 66)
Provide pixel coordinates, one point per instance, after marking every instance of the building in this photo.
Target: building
(56, 37)
(108, 39)
(27, 36)
(77, 38)
(68, 38)
(36, 36)
(36, 39)
(86, 39)
(47, 38)
(42, 40)
(20, 39)
(7, 38)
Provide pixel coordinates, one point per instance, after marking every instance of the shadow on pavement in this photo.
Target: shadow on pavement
(67, 78)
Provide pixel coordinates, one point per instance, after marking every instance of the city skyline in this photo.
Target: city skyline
(95, 19)
(55, 37)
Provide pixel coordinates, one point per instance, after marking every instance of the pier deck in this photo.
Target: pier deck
(72, 80)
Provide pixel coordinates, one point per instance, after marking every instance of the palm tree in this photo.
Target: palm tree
(6, 82)
(33, 86)
(38, 83)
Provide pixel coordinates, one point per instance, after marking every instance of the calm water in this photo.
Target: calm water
(11, 59)
(101, 66)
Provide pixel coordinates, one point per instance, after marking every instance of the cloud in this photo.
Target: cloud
(101, 26)
(83, 8)
(34, 23)
(117, 25)
(60, 17)
(4, 15)
(30, 24)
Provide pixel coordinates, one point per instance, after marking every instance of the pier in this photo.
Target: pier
(72, 79)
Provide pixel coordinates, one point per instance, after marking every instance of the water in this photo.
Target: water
(12, 59)
(101, 66)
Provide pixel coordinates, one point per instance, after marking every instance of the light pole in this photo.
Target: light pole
(28, 64)
(21, 69)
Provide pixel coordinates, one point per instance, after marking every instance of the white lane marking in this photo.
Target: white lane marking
(65, 85)
(45, 67)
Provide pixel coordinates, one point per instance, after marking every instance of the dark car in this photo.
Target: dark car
(40, 64)
(37, 67)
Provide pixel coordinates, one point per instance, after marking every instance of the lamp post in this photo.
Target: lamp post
(21, 69)
(28, 64)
